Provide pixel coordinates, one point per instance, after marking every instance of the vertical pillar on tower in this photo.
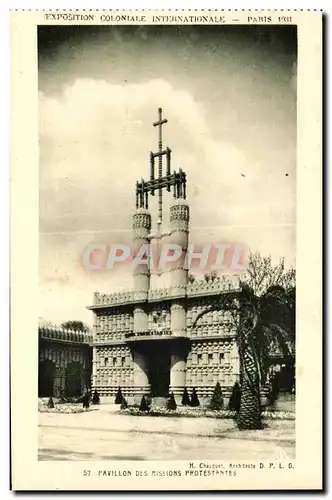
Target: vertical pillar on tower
(179, 226)
(178, 235)
(179, 229)
(141, 243)
(141, 231)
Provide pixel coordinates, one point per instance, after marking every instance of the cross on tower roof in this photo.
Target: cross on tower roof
(160, 124)
(161, 120)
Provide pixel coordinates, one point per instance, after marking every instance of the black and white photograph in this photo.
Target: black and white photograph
(167, 136)
(168, 223)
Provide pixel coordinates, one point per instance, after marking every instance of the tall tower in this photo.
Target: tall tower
(179, 227)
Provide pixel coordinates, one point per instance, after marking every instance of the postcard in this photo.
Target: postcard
(166, 250)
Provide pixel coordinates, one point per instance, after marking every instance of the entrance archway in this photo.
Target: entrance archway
(46, 376)
(159, 365)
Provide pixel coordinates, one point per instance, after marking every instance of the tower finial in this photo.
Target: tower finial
(159, 123)
(160, 182)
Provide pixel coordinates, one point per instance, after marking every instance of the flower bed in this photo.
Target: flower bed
(278, 415)
(203, 412)
(64, 408)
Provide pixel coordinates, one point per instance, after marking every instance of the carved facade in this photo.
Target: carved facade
(64, 362)
(163, 343)
(147, 340)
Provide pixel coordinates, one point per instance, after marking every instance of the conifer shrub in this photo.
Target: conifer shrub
(96, 398)
(217, 400)
(118, 397)
(50, 403)
(194, 401)
(124, 404)
(185, 398)
(86, 400)
(171, 403)
(235, 399)
(144, 404)
(273, 390)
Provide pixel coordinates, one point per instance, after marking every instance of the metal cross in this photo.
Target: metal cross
(161, 121)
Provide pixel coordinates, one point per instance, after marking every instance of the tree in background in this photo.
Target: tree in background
(77, 326)
(261, 274)
(44, 322)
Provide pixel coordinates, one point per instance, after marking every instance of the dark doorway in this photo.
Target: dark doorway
(287, 377)
(284, 371)
(159, 371)
(46, 378)
(74, 374)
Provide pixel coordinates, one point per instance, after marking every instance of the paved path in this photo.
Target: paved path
(103, 434)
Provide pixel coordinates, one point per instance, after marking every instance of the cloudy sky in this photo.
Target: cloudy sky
(229, 94)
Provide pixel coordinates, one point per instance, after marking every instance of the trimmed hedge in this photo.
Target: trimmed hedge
(217, 400)
(124, 404)
(118, 397)
(171, 403)
(185, 398)
(144, 405)
(86, 400)
(194, 401)
(50, 403)
(235, 399)
(96, 398)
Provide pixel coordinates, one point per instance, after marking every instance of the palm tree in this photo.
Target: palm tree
(264, 321)
(260, 321)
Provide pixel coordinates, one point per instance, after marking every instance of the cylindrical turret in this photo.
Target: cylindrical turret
(141, 243)
(179, 228)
